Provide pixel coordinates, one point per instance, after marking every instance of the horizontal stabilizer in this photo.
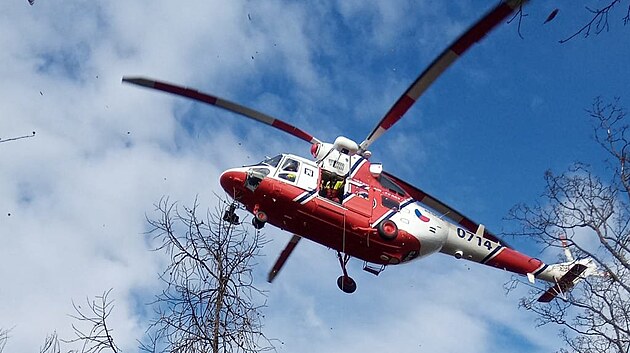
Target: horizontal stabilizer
(566, 282)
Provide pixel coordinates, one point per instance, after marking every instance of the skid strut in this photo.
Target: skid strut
(345, 282)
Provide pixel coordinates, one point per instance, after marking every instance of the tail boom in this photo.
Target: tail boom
(462, 243)
(564, 276)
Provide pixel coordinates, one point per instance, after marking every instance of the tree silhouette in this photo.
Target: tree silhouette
(210, 303)
(592, 212)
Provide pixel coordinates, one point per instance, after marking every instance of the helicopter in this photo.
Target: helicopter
(341, 200)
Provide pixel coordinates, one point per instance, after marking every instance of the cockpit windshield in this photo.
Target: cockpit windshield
(272, 161)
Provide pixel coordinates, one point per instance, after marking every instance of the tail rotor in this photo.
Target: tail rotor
(567, 274)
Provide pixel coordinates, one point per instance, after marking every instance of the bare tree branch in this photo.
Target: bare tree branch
(520, 15)
(17, 138)
(98, 337)
(4, 337)
(51, 344)
(599, 20)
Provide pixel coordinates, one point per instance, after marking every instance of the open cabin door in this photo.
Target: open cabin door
(349, 193)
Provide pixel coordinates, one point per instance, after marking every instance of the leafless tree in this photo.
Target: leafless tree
(210, 303)
(590, 207)
(96, 338)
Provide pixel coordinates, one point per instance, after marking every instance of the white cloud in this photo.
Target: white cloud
(78, 192)
(75, 196)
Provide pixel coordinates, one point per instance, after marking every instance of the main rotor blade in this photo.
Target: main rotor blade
(284, 255)
(444, 209)
(222, 103)
(474, 34)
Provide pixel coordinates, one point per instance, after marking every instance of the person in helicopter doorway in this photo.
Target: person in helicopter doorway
(334, 190)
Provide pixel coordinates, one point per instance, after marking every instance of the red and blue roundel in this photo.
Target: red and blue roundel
(422, 217)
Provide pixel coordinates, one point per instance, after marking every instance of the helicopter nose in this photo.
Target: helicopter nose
(232, 181)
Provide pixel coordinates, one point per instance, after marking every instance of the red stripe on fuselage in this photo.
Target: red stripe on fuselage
(514, 261)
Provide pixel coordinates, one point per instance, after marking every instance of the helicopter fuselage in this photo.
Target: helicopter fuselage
(299, 201)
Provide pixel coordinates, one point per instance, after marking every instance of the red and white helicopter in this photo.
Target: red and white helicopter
(346, 203)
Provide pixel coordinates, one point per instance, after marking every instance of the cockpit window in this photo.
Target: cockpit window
(389, 184)
(289, 170)
(272, 161)
(290, 165)
(261, 172)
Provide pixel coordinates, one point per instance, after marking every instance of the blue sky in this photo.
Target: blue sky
(480, 139)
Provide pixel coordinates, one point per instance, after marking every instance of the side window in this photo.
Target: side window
(389, 203)
(289, 170)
